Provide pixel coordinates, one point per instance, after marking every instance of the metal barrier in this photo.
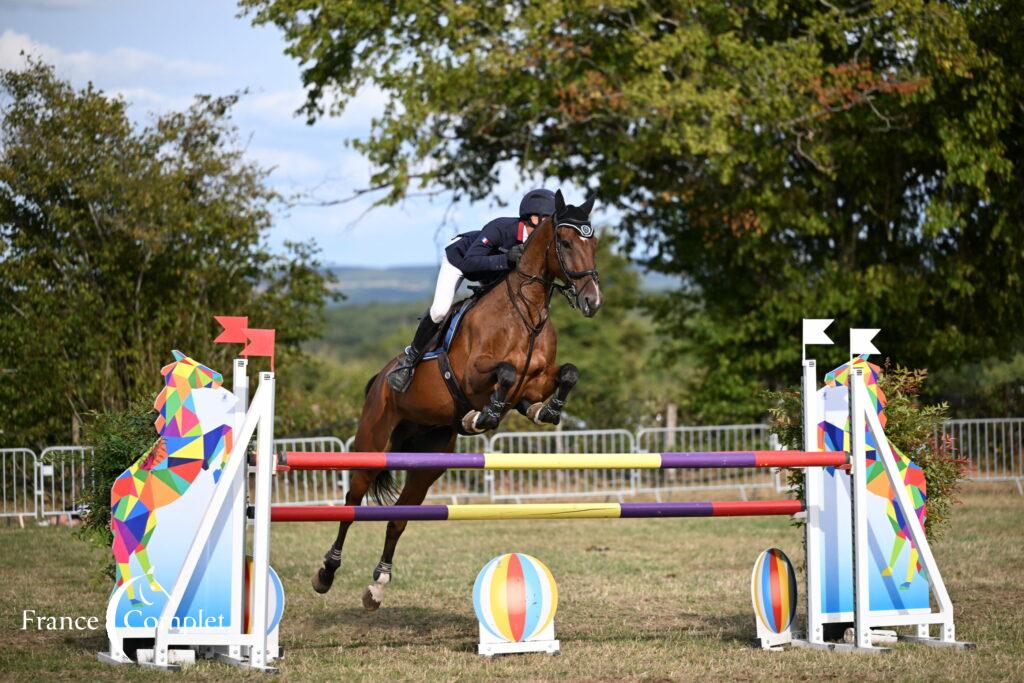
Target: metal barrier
(994, 447)
(724, 438)
(519, 485)
(63, 476)
(321, 487)
(19, 472)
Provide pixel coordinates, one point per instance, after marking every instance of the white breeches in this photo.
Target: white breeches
(448, 279)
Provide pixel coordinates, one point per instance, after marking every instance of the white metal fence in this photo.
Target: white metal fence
(993, 446)
(318, 487)
(62, 478)
(19, 469)
(50, 484)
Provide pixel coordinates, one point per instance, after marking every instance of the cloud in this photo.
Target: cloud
(287, 164)
(148, 100)
(279, 107)
(117, 65)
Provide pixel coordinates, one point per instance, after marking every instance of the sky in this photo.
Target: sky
(157, 55)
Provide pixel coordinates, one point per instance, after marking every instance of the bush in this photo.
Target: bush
(118, 438)
(911, 427)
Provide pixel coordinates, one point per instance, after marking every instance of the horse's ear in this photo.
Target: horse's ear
(587, 207)
(559, 203)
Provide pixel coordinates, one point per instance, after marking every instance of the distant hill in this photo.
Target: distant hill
(406, 284)
(384, 285)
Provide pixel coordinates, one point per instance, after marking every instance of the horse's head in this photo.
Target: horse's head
(182, 380)
(574, 257)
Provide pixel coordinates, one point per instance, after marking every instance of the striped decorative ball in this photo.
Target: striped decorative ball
(515, 597)
(773, 590)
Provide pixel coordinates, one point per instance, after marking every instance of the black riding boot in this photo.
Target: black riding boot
(401, 377)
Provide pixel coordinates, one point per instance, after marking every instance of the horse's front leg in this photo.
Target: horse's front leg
(566, 378)
(476, 421)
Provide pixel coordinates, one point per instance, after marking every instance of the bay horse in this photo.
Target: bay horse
(503, 356)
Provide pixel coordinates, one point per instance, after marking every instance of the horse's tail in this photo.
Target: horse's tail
(383, 489)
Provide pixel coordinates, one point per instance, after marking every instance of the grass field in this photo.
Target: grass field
(639, 599)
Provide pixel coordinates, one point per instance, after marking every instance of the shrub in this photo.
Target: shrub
(911, 427)
(118, 438)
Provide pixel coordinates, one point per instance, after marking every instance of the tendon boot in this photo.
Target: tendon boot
(401, 377)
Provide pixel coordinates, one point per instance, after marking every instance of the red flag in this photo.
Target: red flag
(260, 343)
(234, 329)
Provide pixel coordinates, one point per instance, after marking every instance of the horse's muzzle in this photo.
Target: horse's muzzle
(589, 299)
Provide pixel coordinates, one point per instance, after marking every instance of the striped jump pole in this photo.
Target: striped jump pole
(293, 460)
(441, 513)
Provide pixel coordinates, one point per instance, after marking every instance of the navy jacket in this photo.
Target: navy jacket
(480, 254)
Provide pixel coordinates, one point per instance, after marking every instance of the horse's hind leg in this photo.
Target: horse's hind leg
(375, 427)
(417, 484)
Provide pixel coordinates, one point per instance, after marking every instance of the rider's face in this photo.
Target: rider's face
(535, 220)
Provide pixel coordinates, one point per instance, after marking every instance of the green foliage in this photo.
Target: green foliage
(802, 159)
(911, 427)
(119, 243)
(992, 387)
(321, 395)
(118, 438)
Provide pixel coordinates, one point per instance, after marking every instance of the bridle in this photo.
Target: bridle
(569, 290)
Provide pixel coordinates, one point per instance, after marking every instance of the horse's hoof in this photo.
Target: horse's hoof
(533, 412)
(322, 580)
(469, 422)
(373, 596)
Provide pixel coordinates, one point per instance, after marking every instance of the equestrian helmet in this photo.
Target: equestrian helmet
(540, 202)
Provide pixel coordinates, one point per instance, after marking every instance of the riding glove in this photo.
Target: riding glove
(514, 254)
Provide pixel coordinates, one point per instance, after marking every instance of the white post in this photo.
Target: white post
(812, 502)
(859, 485)
(240, 388)
(266, 462)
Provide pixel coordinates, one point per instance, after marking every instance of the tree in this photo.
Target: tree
(801, 159)
(119, 243)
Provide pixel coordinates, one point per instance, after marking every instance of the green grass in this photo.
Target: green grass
(639, 599)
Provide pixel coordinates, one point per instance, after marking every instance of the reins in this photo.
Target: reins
(568, 290)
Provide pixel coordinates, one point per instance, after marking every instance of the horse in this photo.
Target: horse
(503, 356)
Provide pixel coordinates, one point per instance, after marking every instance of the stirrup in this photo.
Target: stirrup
(400, 378)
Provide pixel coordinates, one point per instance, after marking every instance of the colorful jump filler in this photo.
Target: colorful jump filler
(515, 599)
(179, 524)
(832, 434)
(899, 586)
(186, 447)
(773, 592)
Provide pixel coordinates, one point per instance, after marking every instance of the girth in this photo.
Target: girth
(462, 404)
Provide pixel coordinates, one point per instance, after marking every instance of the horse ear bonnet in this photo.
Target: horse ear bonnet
(575, 217)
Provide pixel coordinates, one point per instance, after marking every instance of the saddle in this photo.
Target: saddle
(441, 344)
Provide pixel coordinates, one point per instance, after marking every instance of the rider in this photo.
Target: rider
(482, 256)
